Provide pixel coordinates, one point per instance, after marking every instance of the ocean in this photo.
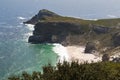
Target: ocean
(16, 54)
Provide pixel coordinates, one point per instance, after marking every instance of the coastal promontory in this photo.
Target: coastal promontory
(101, 35)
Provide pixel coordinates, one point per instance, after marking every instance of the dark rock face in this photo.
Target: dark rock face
(90, 47)
(117, 59)
(41, 16)
(105, 57)
(56, 32)
(57, 28)
(116, 39)
(100, 29)
(36, 39)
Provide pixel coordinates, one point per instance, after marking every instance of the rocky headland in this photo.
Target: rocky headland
(102, 35)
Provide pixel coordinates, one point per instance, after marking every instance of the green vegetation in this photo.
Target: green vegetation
(102, 22)
(75, 71)
(45, 15)
(108, 22)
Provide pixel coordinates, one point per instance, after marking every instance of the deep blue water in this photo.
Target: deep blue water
(16, 54)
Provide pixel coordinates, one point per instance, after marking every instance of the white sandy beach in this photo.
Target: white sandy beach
(77, 53)
(72, 53)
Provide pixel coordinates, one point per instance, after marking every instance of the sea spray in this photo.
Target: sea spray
(21, 18)
(30, 27)
(62, 52)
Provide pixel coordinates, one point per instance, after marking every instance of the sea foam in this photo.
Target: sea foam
(30, 26)
(62, 52)
(21, 18)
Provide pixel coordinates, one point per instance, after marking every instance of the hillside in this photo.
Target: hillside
(100, 35)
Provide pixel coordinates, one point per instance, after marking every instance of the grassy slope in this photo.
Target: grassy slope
(104, 22)
(108, 22)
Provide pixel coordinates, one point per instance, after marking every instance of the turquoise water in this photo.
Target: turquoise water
(17, 55)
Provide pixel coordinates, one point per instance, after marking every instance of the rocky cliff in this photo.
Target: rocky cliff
(53, 28)
(57, 32)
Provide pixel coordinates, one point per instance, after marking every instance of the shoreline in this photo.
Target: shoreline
(70, 53)
(77, 53)
(62, 53)
(74, 53)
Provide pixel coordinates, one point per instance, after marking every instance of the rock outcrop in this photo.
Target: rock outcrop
(116, 59)
(116, 39)
(41, 16)
(105, 57)
(56, 32)
(53, 28)
(90, 47)
(100, 29)
(36, 39)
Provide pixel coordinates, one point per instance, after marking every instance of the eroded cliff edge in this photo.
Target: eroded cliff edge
(102, 35)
